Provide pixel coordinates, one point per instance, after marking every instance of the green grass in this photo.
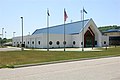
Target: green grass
(11, 58)
(2, 46)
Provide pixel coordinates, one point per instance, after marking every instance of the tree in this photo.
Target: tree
(105, 28)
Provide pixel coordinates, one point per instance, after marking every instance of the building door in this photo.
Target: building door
(89, 38)
(89, 41)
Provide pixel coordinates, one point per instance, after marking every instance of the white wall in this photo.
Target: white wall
(30, 39)
(16, 41)
(105, 39)
(78, 39)
(57, 37)
(43, 40)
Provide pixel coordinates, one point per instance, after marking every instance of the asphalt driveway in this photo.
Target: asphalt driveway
(96, 69)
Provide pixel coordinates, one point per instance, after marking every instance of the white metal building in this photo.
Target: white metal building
(92, 37)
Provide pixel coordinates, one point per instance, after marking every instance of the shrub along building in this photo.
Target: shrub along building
(76, 34)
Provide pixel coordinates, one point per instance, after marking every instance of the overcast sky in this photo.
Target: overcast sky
(103, 12)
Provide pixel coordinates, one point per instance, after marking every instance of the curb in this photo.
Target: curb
(62, 61)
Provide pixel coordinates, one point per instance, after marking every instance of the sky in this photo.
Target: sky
(34, 13)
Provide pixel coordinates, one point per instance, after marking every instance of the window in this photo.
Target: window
(64, 42)
(20, 42)
(24, 42)
(95, 42)
(50, 43)
(57, 42)
(28, 42)
(39, 42)
(81, 43)
(104, 42)
(73, 42)
(32, 42)
(18, 45)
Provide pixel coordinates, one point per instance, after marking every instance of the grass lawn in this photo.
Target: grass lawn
(11, 58)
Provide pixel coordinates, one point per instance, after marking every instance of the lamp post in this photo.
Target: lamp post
(14, 34)
(2, 33)
(22, 33)
(5, 34)
(2, 37)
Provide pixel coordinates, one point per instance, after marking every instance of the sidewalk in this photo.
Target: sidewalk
(60, 49)
(71, 49)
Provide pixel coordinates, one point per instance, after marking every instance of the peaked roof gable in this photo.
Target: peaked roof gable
(71, 28)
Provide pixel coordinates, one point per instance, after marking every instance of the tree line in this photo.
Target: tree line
(105, 28)
(4, 40)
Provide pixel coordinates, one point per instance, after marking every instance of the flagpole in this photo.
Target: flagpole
(64, 36)
(83, 33)
(81, 15)
(47, 29)
(64, 29)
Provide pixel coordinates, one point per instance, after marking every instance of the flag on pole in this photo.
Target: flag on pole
(48, 12)
(84, 11)
(65, 15)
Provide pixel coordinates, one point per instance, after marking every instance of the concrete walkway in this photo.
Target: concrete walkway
(60, 49)
(71, 49)
(10, 49)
